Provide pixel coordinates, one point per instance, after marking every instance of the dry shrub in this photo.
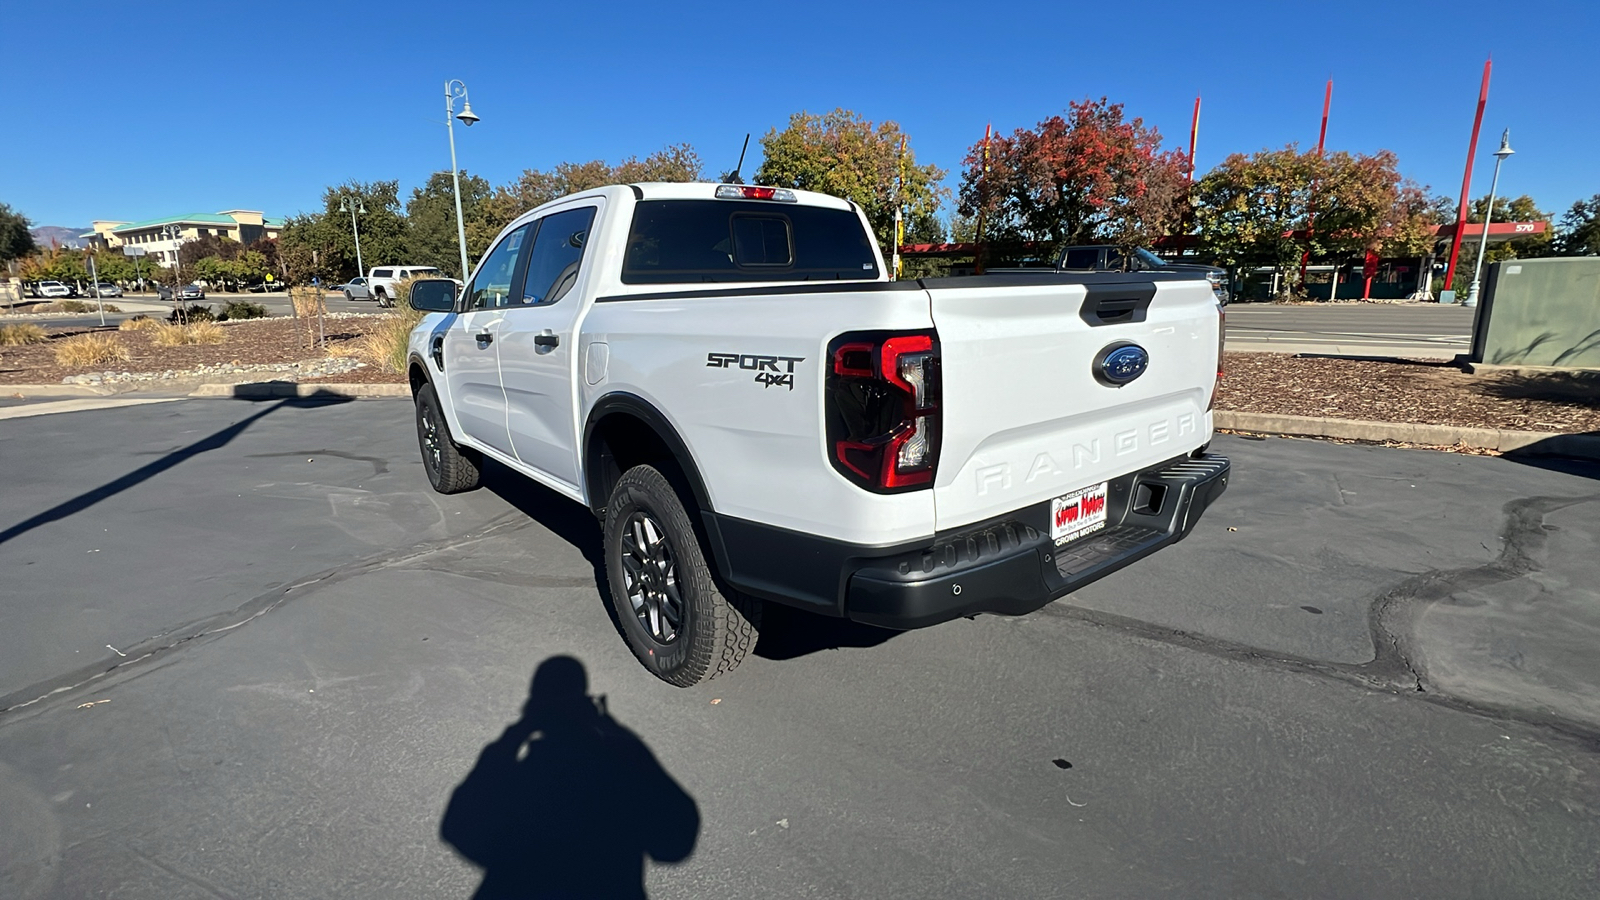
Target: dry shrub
(138, 323)
(23, 333)
(91, 349)
(165, 334)
(384, 345)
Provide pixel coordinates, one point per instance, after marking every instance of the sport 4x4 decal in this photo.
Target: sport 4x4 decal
(767, 369)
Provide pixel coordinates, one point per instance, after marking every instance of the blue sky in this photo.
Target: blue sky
(204, 107)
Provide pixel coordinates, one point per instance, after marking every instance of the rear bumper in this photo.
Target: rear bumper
(1007, 566)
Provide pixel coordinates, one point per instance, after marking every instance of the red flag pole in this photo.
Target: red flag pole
(1466, 181)
(1322, 139)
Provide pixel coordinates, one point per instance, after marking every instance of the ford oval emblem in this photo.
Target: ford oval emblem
(1120, 364)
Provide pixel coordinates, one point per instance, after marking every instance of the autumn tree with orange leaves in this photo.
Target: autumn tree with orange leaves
(1093, 176)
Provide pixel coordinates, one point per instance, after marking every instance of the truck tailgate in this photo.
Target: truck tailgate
(1026, 419)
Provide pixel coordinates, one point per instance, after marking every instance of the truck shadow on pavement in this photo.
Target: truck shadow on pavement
(568, 802)
(786, 632)
(214, 441)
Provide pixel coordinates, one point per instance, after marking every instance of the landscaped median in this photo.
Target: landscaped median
(1426, 403)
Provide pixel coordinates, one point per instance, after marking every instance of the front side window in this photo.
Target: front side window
(491, 287)
(557, 255)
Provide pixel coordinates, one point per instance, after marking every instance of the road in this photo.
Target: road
(1348, 329)
(1369, 673)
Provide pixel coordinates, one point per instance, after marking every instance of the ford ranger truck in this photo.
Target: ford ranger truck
(756, 414)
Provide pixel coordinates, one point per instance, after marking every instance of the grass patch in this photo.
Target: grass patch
(25, 333)
(138, 323)
(165, 334)
(90, 350)
(72, 306)
(384, 345)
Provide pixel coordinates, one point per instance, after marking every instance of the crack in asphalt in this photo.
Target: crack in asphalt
(164, 644)
(1391, 620)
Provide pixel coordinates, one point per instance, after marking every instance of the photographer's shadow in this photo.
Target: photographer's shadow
(567, 802)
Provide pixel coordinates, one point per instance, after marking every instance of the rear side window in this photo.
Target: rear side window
(382, 273)
(690, 241)
(1081, 258)
(557, 254)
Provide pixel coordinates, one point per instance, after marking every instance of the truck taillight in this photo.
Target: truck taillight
(1222, 331)
(883, 409)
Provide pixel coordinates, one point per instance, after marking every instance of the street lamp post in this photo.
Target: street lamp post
(1488, 216)
(453, 89)
(353, 205)
(175, 234)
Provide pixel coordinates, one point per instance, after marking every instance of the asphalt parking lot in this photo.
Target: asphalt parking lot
(248, 653)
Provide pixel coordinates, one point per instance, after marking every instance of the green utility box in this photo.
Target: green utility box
(1540, 312)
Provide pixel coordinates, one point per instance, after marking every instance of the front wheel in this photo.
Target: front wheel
(347, 297)
(451, 469)
(382, 300)
(673, 616)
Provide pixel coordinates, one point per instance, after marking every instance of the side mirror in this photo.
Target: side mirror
(433, 295)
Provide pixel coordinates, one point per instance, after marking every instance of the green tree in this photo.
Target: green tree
(1580, 228)
(1248, 208)
(431, 238)
(844, 155)
(322, 244)
(16, 240)
(534, 188)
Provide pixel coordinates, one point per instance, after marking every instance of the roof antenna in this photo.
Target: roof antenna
(734, 178)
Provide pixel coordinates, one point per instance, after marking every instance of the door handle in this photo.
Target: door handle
(547, 339)
(485, 337)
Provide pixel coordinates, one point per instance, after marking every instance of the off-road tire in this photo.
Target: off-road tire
(451, 469)
(718, 628)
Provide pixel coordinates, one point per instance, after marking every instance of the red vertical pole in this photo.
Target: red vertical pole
(1466, 181)
(1322, 139)
(983, 199)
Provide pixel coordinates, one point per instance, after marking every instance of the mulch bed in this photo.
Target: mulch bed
(249, 342)
(1416, 391)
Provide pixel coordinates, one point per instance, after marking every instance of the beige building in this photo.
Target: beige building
(160, 238)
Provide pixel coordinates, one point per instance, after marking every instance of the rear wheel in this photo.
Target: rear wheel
(675, 619)
(451, 469)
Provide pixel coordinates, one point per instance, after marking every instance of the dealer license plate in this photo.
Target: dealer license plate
(1078, 513)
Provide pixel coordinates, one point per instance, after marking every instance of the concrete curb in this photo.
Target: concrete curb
(269, 389)
(1576, 446)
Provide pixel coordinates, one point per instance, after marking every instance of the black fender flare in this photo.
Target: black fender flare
(641, 409)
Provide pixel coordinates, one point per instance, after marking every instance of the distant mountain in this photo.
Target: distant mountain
(46, 235)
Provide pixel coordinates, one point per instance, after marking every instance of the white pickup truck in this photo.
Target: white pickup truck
(726, 377)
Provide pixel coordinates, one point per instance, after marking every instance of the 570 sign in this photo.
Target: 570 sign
(770, 370)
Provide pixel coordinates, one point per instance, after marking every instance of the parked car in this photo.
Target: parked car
(355, 289)
(725, 376)
(105, 289)
(54, 290)
(1109, 258)
(191, 292)
(266, 287)
(381, 281)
